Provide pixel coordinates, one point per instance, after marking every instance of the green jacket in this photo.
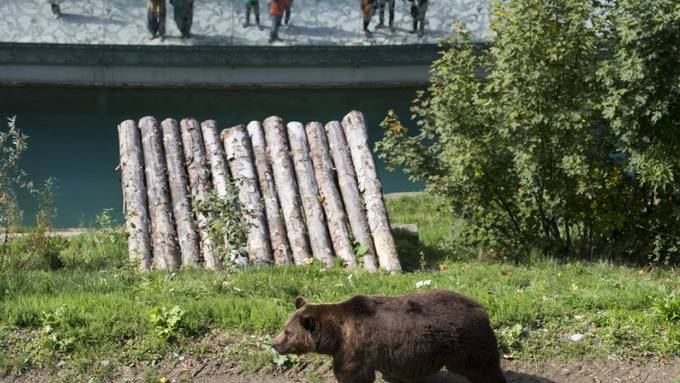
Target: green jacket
(248, 2)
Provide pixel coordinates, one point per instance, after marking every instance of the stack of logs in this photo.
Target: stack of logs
(310, 191)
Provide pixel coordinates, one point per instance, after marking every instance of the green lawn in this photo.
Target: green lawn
(95, 305)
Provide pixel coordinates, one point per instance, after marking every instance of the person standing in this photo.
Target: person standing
(276, 10)
(252, 5)
(183, 11)
(55, 5)
(390, 5)
(368, 8)
(287, 5)
(156, 18)
(418, 10)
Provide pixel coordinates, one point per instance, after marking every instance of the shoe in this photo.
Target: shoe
(380, 25)
(260, 27)
(246, 25)
(392, 30)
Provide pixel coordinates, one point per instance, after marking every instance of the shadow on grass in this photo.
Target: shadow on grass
(416, 255)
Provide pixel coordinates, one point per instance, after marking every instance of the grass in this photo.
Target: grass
(94, 305)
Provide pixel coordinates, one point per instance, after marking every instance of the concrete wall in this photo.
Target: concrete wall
(113, 66)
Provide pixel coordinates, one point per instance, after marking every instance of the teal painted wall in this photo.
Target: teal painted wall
(72, 132)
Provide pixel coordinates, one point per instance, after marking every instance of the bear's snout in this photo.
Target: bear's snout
(277, 343)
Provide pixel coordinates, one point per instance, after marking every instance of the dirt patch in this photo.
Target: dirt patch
(215, 371)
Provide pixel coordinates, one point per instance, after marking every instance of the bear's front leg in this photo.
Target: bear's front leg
(348, 371)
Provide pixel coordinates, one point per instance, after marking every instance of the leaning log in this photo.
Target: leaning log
(309, 193)
(349, 190)
(369, 184)
(134, 195)
(179, 190)
(163, 236)
(330, 195)
(199, 185)
(277, 229)
(239, 154)
(286, 188)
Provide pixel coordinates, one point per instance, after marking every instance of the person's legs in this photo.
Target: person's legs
(276, 23)
(381, 13)
(391, 22)
(422, 10)
(287, 11)
(152, 20)
(256, 7)
(161, 19)
(248, 7)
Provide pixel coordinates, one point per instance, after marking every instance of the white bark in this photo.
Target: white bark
(163, 236)
(309, 192)
(286, 188)
(239, 154)
(215, 154)
(200, 185)
(137, 222)
(330, 195)
(179, 190)
(369, 184)
(349, 190)
(277, 230)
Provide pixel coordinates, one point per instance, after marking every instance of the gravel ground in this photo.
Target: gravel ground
(218, 22)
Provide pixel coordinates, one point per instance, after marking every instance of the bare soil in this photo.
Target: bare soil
(221, 371)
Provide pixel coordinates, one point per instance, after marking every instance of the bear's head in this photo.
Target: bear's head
(301, 332)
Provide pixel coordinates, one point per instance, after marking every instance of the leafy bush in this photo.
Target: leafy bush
(561, 136)
(228, 219)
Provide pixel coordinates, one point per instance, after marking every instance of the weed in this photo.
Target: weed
(668, 308)
(166, 322)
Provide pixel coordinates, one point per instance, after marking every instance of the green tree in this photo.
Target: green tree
(533, 140)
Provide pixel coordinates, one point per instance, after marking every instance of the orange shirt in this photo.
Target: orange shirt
(277, 8)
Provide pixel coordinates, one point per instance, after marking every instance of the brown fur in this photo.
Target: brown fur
(405, 338)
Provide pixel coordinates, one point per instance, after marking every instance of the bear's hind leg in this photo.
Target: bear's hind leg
(352, 372)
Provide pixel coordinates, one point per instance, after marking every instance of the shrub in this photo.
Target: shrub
(567, 141)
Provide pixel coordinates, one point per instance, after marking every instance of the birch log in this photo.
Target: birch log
(369, 184)
(219, 169)
(349, 190)
(199, 185)
(239, 154)
(277, 229)
(330, 195)
(134, 195)
(179, 191)
(215, 154)
(163, 236)
(309, 192)
(286, 188)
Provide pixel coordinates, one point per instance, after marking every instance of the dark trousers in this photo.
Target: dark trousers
(418, 11)
(276, 23)
(390, 5)
(184, 15)
(255, 7)
(156, 18)
(286, 12)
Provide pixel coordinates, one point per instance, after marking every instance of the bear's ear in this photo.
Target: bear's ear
(308, 323)
(299, 302)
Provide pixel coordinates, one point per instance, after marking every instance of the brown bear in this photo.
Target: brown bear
(405, 338)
